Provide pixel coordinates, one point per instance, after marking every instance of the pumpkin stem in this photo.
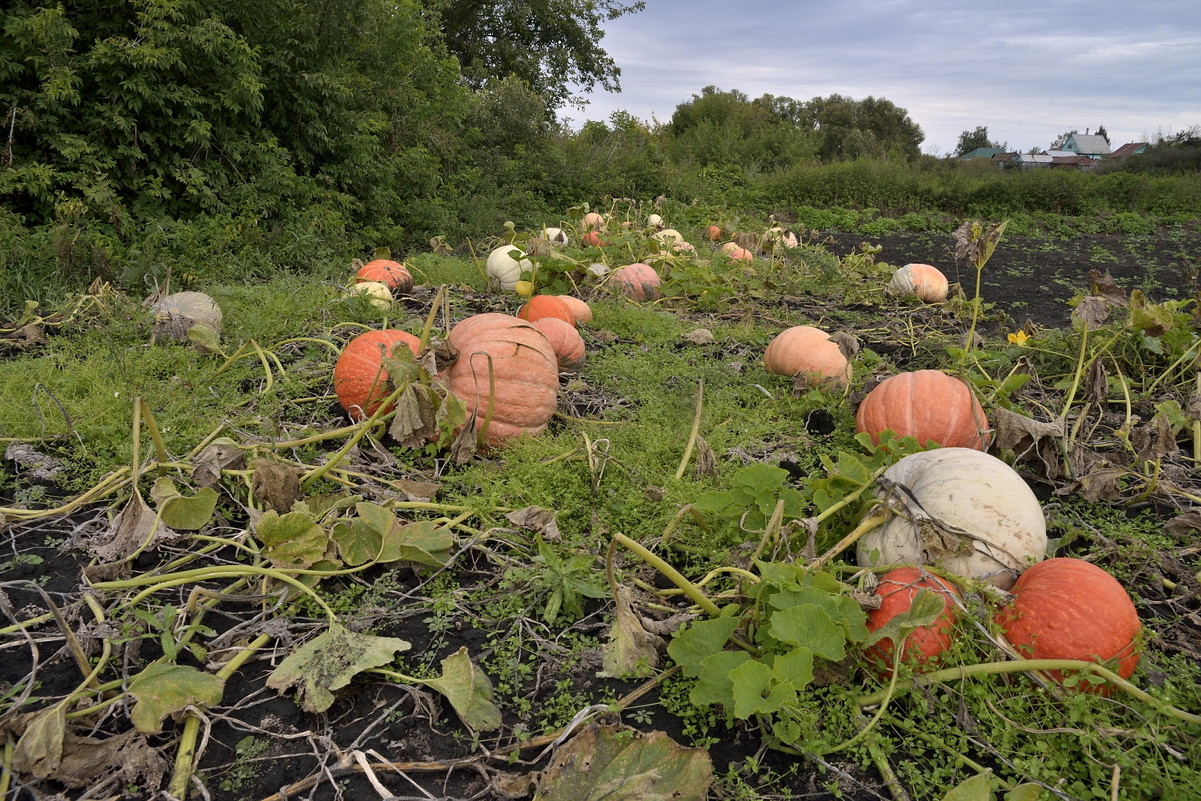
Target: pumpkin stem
(867, 524)
(696, 426)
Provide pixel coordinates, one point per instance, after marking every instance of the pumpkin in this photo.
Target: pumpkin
(713, 233)
(639, 281)
(959, 508)
(556, 236)
(360, 380)
(926, 405)
(727, 247)
(593, 221)
(505, 265)
(391, 274)
(565, 340)
(923, 280)
(546, 306)
(806, 350)
(506, 368)
(683, 247)
(376, 292)
(580, 309)
(593, 239)
(668, 236)
(739, 254)
(654, 221)
(175, 314)
(896, 590)
(1067, 608)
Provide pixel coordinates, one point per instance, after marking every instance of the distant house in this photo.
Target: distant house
(1089, 145)
(1073, 162)
(982, 153)
(1127, 150)
(1005, 159)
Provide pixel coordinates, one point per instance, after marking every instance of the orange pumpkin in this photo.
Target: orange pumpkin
(896, 590)
(593, 221)
(541, 306)
(808, 350)
(580, 309)
(1065, 608)
(392, 274)
(566, 341)
(713, 233)
(925, 405)
(507, 369)
(923, 280)
(739, 254)
(639, 281)
(593, 239)
(360, 380)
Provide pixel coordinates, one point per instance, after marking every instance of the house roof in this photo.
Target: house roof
(982, 153)
(1127, 150)
(1090, 143)
(1075, 160)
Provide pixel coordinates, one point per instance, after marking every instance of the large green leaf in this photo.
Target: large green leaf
(165, 688)
(468, 690)
(180, 512)
(291, 540)
(328, 663)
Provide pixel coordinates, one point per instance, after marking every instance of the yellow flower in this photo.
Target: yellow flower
(1018, 338)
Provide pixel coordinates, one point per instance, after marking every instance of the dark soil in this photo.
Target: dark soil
(259, 745)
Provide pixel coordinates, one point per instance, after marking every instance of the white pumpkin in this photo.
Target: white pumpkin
(669, 236)
(925, 281)
(377, 292)
(175, 314)
(505, 265)
(556, 236)
(961, 509)
(654, 221)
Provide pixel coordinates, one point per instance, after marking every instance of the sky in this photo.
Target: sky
(1028, 71)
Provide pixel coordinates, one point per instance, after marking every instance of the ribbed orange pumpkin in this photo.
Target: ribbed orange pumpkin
(713, 233)
(896, 590)
(923, 280)
(639, 281)
(1067, 608)
(392, 274)
(925, 405)
(541, 306)
(566, 341)
(515, 358)
(360, 380)
(808, 350)
(739, 254)
(580, 309)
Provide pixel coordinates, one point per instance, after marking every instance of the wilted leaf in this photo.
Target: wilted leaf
(468, 690)
(328, 663)
(847, 343)
(218, 455)
(126, 755)
(1092, 311)
(292, 540)
(134, 528)
(275, 485)
(619, 764)
(700, 336)
(631, 649)
(40, 748)
(1154, 440)
(204, 338)
(36, 465)
(178, 512)
(1029, 438)
(538, 520)
(1106, 287)
(415, 422)
(706, 461)
(164, 688)
(1184, 523)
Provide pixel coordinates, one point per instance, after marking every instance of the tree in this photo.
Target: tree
(970, 140)
(549, 44)
(1062, 139)
(1102, 132)
(880, 128)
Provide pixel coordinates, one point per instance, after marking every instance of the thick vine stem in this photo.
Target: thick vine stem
(867, 524)
(691, 590)
(1023, 666)
(696, 427)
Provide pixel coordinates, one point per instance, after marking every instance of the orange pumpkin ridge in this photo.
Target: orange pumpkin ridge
(926, 405)
(360, 380)
(546, 306)
(393, 274)
(566, 341)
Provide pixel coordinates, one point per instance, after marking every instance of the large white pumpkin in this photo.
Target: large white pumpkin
(556, 236)
(961, 509)
(505, 265)
(925, 281)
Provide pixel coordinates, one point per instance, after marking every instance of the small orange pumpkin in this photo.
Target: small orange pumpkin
(739, 254)
(540, 306)
(713, 233)
(639, 281)
(1065, 608)
(506, 368)
(925, 644)
(808, 350)
(593, 221)
(925, 405)
(923, 280)
(392, 274)
(566, 341)
(360, 380)
(593, 239)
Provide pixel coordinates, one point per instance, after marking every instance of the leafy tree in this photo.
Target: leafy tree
(549, 44)
(970, 140)
(1062, 139)
(870, 127)
(1102, 132)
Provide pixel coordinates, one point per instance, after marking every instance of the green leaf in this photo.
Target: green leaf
(205, 338)
(618, 764)
(164, 688)
(760, 477)
(328, 663)
(925, 608)
(809, 626)
(704, 638)
(291, 540)
(423, 542)
(1025, 792)
(794, 668)
(40, 749)
(756, 691)
(714, 685)
(976, 788)
(468, 690)
(358, 542)
(178, 512)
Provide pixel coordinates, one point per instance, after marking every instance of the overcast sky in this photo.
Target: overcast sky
(1029, 71)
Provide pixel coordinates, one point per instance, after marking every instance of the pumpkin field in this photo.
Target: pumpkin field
(649, 502)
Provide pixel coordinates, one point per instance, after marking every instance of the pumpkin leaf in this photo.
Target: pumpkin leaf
(328, 663)
(631, 649)
(40, 748)
(974, 788)
(756, 692)
(468, 690)
(180, 513)
(415, 422)
(292, 540)
(620, 764)
(165, 688)
(693, 645)
(136, 527)
(378, 535)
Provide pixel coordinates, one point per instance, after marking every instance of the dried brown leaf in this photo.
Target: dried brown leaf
(699, 336)
(276, 485)
(1092, 311)
(416, 420)
(705, 460)
(847, 342)
(1029, 439)
(631, 649)
(1154, 440)
(1106, 287)
(1184, 524)
(218, 455)
(537, 519)
(134, 528)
